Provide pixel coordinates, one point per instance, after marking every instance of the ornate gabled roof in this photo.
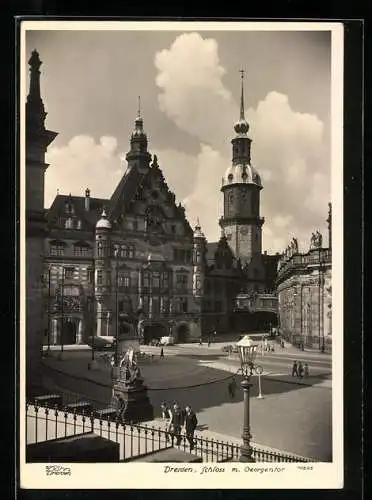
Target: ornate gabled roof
(89, 217)
(125, 192)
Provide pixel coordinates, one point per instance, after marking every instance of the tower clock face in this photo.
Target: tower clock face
(244, 231)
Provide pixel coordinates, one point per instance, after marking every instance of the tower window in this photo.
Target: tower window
(100, 249)
(230, 178)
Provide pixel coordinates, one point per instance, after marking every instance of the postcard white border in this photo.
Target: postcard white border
(110, 476)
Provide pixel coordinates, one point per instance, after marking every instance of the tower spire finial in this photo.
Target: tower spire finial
(241, 71)
(139, 107)
(34, 88)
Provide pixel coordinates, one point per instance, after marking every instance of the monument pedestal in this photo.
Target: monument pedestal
(126, 342)
(136, 406)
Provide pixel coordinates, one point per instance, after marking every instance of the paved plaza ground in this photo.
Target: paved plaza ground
(295, 417)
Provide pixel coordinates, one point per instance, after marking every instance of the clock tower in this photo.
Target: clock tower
(138, 156)
(241, 186)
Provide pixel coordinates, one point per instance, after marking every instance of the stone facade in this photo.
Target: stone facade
(305, 297)
(37, 140)
(131, 264)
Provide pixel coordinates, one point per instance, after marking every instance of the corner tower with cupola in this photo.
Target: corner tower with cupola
(241, 186)
(38, 139)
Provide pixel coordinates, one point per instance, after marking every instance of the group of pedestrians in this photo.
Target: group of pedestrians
(175, 419)
(300, 370)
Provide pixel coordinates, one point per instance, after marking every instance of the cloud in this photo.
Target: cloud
(288, 146)
(85, 163)
(190, 79)
(80, 164)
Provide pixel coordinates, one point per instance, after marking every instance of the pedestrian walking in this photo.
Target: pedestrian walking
(306, 370)
(209, 341)
(191, 422)
(294, 369)
(167, 418)
(300, 369)
(177, 422)
(200, 341)
(232, 388)
(162, 352)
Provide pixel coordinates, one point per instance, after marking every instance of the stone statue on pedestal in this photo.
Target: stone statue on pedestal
(133, 404)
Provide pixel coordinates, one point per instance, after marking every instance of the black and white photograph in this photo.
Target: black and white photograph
(181, 305)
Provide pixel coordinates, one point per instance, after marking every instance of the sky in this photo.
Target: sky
(189, 84)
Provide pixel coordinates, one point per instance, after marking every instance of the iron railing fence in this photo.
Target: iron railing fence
(47, 422)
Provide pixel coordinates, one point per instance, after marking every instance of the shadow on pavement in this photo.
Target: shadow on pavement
(210, 391)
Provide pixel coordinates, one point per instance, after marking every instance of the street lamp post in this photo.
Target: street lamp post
(48, 313)
(320, 311)
(62, 311)
(116, 313)
(247, 353)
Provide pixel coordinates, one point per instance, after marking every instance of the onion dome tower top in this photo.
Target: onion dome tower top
(198, 233)
(241, 171)
(103, 222)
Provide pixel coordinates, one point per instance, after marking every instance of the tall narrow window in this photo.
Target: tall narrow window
(99, 277)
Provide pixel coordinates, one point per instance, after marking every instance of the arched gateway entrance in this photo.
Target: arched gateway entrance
(182, 333)
(69, 332)
(153, 331)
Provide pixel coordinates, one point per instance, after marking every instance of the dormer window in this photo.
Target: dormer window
(69, 223)
(57, 248)
(81, 249)
(69, 208)
(230, 178)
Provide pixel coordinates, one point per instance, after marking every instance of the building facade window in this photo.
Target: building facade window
(100, 252)
(218, 306)
(145, 304)
(69, 208)
(165, 280)
(69, 223)
(181, 281)
(57, 249)
(124, 281)
(81, 251)
(156, 280)
(99, 277)
(69, 272)
(90, 275)
(183, 305)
